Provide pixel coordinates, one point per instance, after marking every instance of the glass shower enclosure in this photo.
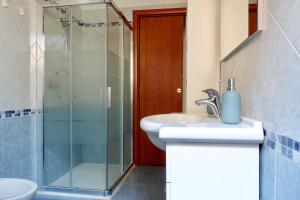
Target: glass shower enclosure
(87, 112)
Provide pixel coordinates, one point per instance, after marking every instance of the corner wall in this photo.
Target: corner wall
(267, 71)
(203, 51)
(20, 135)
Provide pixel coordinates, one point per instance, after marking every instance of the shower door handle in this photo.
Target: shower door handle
(101, 97)
(109, 97)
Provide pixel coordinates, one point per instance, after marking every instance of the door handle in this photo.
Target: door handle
(179, 90)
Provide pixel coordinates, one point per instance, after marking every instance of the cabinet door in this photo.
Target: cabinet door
(168, 192)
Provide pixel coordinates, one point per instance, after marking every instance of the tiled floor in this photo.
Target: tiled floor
(144, 183)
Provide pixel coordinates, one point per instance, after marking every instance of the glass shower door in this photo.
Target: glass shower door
(127, 99)
(75, 97)
(87, 97)
(115, 96)
(89, 84)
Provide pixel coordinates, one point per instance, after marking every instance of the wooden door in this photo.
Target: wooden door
(252, 18)
(159, 37)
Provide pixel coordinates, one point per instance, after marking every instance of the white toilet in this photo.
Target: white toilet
(17, 189)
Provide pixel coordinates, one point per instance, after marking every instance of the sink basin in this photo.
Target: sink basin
(181, 127)
(152, 124)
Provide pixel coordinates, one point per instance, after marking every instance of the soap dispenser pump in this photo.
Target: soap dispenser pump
(231, 104)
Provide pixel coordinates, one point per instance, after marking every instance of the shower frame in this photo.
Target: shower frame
(109, 190)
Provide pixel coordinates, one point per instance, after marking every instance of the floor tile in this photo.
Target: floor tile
(144, 182)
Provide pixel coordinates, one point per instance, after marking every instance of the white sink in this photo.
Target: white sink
(180, 127)
(152, 125)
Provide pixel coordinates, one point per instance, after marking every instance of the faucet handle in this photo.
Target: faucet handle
(211, 92)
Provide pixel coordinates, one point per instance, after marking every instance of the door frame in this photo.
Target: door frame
(137, 15)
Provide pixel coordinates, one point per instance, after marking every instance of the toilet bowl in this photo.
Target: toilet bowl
(17, 189)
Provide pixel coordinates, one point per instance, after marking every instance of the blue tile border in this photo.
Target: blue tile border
(19, 113)
(297, 146)
(286, 146)
(270, 139)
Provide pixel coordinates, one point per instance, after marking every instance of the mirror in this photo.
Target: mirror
(240, 21)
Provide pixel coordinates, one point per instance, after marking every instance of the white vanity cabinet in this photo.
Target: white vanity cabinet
(213, 163)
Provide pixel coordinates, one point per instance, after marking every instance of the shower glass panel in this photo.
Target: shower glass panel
(75, 142)
(87, 97)
(88, 80)
(57, 110)
(115, 96)
(127, 98)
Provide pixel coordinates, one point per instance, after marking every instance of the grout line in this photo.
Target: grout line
(20, 126)
(285, 35)
(275, 169)
(274, 113)
(1, 146)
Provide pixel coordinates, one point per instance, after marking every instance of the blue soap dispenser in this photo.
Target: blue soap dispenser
(231, 104)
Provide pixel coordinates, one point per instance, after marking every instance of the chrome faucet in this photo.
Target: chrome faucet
(213, 101)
